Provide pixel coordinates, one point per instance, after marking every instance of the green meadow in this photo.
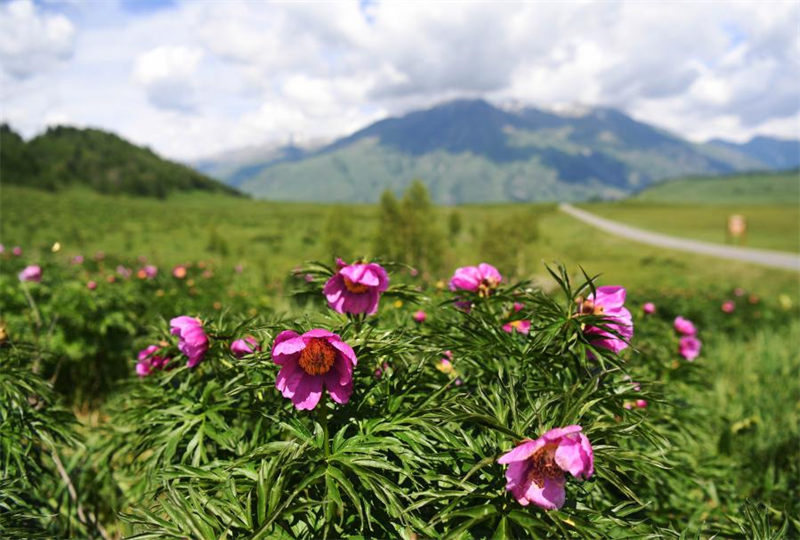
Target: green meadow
(270, 239)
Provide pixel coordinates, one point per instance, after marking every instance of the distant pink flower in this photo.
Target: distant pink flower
(738, 291)
(536, 468)
(684, 326)
(609, 302)
(238, 268)
(17, 251)
(518, 306)
(753, 299)
(309, 278)
(689, 347)
(150, 361)
(356, 288)
(77, 259)
(242, 347)
(31, 273)
(179, 271)
(641, 403)
(649, 308)
(124, 272)
(482, 279)
(420, 316)
(728, 306)
(521, 326)
(192, 340)
(413, 272)
(150, 271)
(310, 361)
(91, 285)
(2, 249)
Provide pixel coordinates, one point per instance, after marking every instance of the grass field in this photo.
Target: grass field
(781, 188)
(768, 226)
(735, 422)
(269, 239)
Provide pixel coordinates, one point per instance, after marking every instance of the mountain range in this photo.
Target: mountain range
(65, 157)
(470, 151)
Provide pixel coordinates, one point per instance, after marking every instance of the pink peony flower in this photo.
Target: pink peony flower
(17, 251)
(356, 288)
(179, 271)
(689, 347)
(192, 340)
(31, 273)
(91, 285)
(649, 308)
(124, 272)
(522, 326)
(420, 316)
(684, 326)
(536, 469)
(608, 302)
(149, 361)
(242, 347)
(728, 306)
(150, 271)
(518, 306)
(310, 361)
(482, 279)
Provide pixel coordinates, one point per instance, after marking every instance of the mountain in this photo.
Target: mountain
(770, 152)
(471, 151)
(66, 156)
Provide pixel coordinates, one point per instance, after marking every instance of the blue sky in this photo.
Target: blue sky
(195, 78)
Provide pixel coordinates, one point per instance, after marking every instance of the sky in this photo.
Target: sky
(191, 79)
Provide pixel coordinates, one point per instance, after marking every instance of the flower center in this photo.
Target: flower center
(588, 307)
(357, 288)
(318, 357)
(542, 465)
(486, 287)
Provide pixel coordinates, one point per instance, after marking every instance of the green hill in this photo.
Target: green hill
(747, 188)
(67, 157)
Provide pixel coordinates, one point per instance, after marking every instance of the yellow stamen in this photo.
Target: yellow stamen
(357, 288)
(318, 357)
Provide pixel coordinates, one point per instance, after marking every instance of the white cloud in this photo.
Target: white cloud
(167, 74)
(202, 77)
(31, 41)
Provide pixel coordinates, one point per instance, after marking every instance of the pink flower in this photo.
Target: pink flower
(356, 288)
(124, 272)
(482, 279)
(728, 306)
(608, 302)
(77, 259)
(310, 361)
(420, 316)
(242, 347)
(150, 271)
(238, 268)
(17, 251)
(149, 361)
(649, 308)
(522, 326)
(91, 285)
(2, 249)
(689, 347)
(536, 469)
(738, 291)
(192, 340)
(179, 271)
(31, 273)
(684, 326)
(518, 306)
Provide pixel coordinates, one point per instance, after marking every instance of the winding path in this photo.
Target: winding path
(775, 259)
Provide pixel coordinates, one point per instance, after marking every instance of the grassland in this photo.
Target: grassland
(782, 188)
(269, 239)
(768, 226)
